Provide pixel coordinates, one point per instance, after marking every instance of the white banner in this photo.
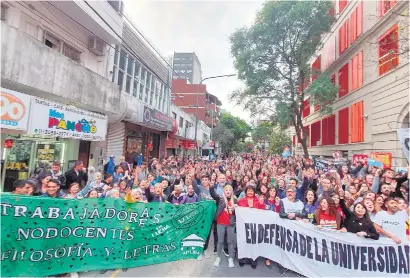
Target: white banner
(404, 138)
(314, 252)
(50, 118)
(15, 109)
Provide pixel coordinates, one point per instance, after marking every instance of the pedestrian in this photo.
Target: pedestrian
(77, 174)
(225, 219)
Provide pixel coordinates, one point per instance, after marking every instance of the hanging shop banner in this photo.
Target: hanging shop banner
(314, 252)
(385, 158)
(14, 110)
(188, 145)
(157, 120)
(59, 120)
(45, 236)
(360, 157)
(404, 138)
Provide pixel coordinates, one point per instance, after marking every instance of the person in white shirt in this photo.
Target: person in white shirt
(293, 209)
(391, 223)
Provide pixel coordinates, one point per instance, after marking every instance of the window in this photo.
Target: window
(356, 71)
(389, 50)
(342, 5)
(328, 130)
(52, 42)
(329, 53)
(177, 65)
(121, 68)
(315, 133)
(385, 5)
(356, 23)
(142, 83)
(306, 108)
(151, 99)
(343, 37)
(181, 122)
(71, 52)
(3, 12)
(176, 58)
(343, 121)
(356, 123)
(174, 115)
(316, 67)
(344, 80)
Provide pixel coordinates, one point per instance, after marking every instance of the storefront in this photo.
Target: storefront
(36, 132)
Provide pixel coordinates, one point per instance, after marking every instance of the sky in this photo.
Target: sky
(200, 26)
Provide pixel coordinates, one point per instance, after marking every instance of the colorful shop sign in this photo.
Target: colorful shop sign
(54, 119)
(14, 109)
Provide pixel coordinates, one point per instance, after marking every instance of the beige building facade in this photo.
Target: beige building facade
(376, 61)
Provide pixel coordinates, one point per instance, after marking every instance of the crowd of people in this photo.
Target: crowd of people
(367, 201)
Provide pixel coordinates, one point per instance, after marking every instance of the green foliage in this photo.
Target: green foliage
(273, 57)
(322, 92)
(230, 131)
(278, 141)
(241, 147)
(239, 127)
(262, 132)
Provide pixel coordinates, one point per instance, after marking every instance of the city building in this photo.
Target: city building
(188, 96)
(56, 90)
(144, 80)
(187, 66)
(182, 140)
(367, 55)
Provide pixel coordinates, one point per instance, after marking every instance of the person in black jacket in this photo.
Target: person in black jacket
(78, 174)
(358, 221)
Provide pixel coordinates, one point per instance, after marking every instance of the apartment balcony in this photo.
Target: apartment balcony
(31, 67)
(209, 107)
(98, 16)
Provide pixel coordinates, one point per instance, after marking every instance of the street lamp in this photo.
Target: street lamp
(197, 106)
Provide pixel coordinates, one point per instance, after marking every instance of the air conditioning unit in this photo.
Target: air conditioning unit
(97, 46)
(319, 143)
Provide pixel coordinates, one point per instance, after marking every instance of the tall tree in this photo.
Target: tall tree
(273, 57)
(278, 141)
(229, 131)
(262, 132)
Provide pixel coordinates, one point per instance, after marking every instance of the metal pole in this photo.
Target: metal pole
(197, 107)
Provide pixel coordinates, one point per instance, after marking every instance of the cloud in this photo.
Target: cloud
(200, 26)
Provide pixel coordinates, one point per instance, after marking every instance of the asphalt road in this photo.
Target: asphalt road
(194, 268)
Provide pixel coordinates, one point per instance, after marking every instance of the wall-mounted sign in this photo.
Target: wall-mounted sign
(59, 120)
(14, 109)
(156, 119)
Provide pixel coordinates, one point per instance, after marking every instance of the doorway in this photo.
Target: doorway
(84, 152)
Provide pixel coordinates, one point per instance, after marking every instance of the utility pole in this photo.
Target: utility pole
(197, 107)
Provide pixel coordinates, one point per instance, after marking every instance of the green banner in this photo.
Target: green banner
(45, 236)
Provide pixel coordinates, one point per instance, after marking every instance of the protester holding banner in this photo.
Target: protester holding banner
(391, 223)
(251, 201)
(358, 221)
(327, 216)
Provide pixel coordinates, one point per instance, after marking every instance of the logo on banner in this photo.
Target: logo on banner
(193, 245)
(12, 109)
(56, 120)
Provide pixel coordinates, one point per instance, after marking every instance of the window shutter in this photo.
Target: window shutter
(344, 80)
(342, 5)
(343, 121)
(324, 132)
(388, 50)
(357, 122)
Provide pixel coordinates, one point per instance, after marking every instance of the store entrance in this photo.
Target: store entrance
(26, 158)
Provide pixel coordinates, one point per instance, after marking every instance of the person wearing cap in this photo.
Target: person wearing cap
(291, 208)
